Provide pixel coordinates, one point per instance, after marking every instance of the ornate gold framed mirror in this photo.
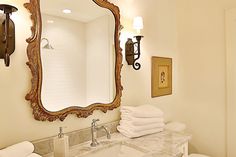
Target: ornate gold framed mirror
(75, 58)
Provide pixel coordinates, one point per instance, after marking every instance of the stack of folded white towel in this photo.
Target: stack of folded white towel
(23, 149)
(140, 121)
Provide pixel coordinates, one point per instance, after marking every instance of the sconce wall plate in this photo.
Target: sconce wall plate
(132, 52)
(129, 49)
(7, 33)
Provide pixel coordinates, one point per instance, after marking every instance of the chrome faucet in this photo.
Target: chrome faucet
(94, 129)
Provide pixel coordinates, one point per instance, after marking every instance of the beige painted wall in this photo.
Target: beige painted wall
(191, 32)
(202, 74)
(201, 43)
(231, 77)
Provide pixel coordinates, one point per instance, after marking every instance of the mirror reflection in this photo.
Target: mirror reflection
(77, 54)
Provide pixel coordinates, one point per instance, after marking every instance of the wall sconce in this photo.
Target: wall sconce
(132, 49)
(7, 33)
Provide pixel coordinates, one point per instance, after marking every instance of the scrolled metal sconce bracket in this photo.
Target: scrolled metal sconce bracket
(7, 33)
(132, 52)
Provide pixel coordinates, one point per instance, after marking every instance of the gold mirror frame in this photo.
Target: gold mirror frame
(35, 65)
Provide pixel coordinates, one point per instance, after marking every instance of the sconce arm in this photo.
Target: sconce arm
(132, 51)
(136, 65)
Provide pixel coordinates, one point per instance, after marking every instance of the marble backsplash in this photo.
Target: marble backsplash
(45, 146)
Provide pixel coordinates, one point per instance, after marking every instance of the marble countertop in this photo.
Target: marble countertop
(163, 144)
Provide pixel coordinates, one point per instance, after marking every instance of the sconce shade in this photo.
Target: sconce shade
(8, 8)
(138, 23)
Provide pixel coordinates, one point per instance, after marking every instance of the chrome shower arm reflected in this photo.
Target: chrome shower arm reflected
(48, 45)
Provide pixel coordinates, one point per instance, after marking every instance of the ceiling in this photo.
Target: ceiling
(82, 10)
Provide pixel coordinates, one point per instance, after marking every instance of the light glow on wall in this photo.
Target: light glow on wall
(67, 11)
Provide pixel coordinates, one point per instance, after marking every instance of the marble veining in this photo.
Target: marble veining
(163, 144)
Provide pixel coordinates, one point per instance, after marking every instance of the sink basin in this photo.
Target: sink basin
(117, 150)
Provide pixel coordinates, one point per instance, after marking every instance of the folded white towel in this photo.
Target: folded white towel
(141, 111)
(131, 134)
(135, 128)
(34, 155)
(22, 149)
(175, 126)
(141, 121)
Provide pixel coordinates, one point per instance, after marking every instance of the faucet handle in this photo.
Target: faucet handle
(94, 121)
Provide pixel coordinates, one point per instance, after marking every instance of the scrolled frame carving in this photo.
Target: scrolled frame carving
(35, 65)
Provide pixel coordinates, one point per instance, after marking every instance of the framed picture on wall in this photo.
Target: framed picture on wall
(161, 76)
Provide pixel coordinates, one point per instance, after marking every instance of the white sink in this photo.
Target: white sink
(117, 150)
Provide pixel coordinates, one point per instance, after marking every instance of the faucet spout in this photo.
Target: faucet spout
(107, 132)
(94, 129)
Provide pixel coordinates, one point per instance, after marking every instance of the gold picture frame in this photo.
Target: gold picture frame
(161, 76)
